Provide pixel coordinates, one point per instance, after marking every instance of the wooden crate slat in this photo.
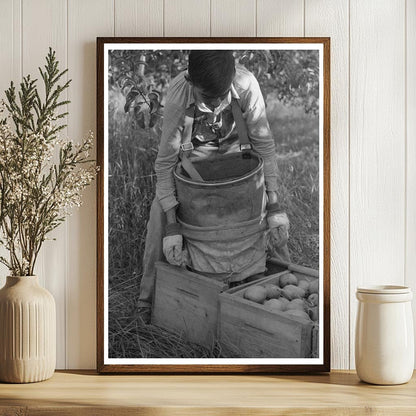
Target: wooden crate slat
(202, 311)
(260, 332)
(187, 303)
(248, 329)
(188, 316)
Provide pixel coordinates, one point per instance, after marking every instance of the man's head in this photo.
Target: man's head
(211, 73)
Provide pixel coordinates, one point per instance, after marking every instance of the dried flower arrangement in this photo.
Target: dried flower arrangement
(42, 176)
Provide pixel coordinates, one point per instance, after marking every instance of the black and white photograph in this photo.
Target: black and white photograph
(214, 198)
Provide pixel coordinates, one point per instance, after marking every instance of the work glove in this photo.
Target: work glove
(173, 245)
(278, 223)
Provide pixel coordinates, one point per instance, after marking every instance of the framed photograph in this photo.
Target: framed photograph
(213, 210)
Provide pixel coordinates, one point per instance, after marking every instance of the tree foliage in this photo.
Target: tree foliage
(293, 75)
(143, 77)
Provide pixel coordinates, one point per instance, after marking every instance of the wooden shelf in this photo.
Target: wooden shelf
(86, 393)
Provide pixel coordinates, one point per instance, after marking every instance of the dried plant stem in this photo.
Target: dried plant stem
(37, 194)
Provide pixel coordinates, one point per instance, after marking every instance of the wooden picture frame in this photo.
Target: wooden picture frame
(117, 363)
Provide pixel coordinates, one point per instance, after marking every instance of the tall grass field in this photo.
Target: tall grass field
(132, 152)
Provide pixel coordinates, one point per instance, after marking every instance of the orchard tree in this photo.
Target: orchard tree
(292, 74)
(143, 77)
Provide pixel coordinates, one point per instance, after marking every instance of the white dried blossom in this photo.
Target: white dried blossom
(42, 175)
(38, 191)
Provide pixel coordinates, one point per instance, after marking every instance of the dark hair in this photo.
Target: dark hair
(212, 71)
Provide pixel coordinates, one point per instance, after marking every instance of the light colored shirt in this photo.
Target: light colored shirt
(203, 108)
(180, 97)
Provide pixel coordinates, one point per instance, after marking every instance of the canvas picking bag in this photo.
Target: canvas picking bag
(222, 209)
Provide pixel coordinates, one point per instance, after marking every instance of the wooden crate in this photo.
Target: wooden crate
(248, 329)
(186, 303)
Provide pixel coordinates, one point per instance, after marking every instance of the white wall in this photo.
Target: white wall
(373, 132)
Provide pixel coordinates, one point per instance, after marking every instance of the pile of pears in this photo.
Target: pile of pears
(294, 297)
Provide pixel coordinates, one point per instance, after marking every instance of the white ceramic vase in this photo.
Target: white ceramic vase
(27, 331)
(384, 340)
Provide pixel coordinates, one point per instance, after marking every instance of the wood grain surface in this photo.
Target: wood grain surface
(10, 65)
(373, 78)
(410, 260)
(82, 393)
(138, 17)
(330, 18)
(280, 18)
(187, 18)
(51, 265)
(233, 18)
(377, 149)
(85, 18)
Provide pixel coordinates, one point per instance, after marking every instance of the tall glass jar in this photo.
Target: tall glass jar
(384, 338)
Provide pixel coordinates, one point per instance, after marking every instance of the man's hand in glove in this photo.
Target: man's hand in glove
(277, 220)
(172, 249)
(173, 245)
(279, 228)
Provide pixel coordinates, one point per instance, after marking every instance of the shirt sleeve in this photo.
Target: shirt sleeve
(254, 112)
(167, 156)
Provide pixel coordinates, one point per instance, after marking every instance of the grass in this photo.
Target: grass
(131, 187)
(132, 152)
(297, 145)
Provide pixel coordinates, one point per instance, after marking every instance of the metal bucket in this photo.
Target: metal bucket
(233, 191)
(223, 218)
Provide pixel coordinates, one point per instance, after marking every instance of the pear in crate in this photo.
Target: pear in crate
(276, 304)
(256, 294)
(273, 291)
(288, 279)
(298, 313)
(304, 284)
(314, 313)
(314, 286)
(313, 299)
(296, 304)
(293, 292)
